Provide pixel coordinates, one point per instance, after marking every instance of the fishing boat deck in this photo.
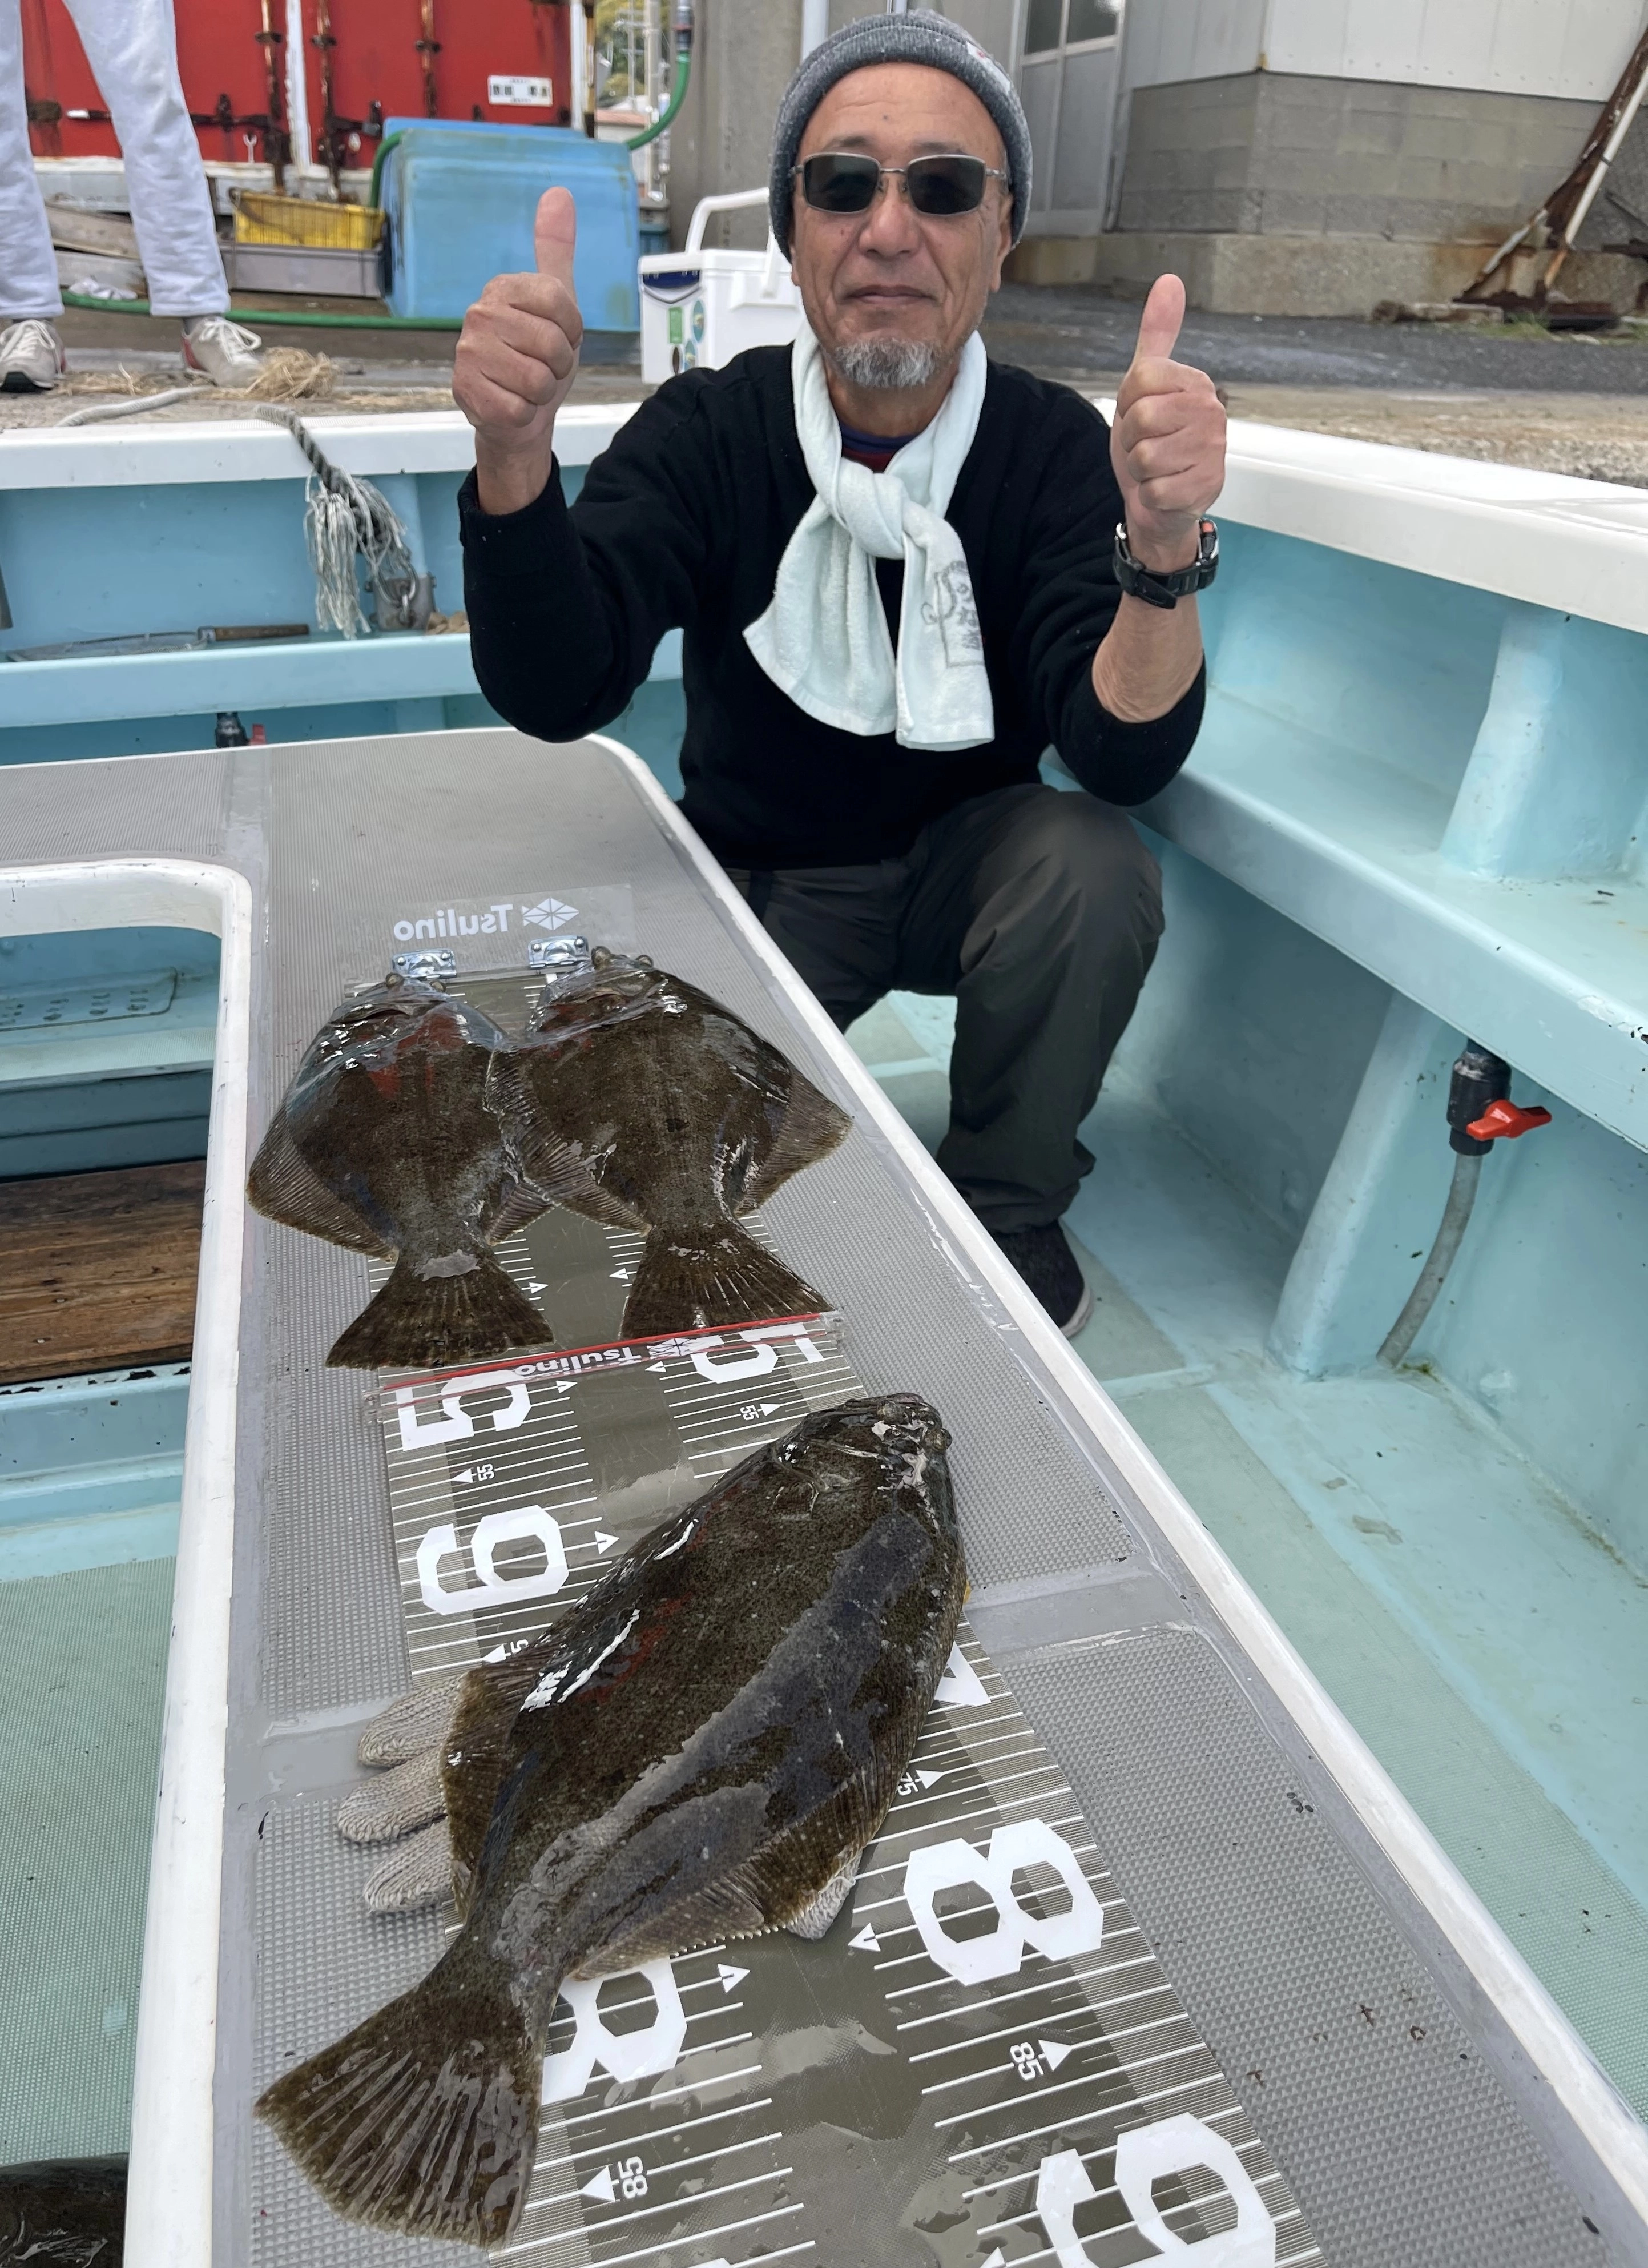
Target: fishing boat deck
(1395, 2061)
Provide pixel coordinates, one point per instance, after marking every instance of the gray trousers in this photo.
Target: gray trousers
(1040, 911)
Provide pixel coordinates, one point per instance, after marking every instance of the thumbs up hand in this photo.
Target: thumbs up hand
(518, 355)
(1168, 442)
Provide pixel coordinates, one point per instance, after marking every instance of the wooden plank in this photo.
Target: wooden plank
(98, 1270)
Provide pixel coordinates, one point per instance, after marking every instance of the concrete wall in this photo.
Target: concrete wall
(1571, 50)
(1277, 153)
(744, 55)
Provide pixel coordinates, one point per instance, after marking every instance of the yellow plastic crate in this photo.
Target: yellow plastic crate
(262, 218)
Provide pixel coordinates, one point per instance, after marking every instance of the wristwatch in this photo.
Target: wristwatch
(1166, 590)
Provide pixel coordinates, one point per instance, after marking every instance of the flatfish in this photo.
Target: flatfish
(384, 1144)
(68, 2213)
(701, 1750)
(668, 1114)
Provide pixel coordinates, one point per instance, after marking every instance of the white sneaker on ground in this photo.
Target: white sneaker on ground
(222, 351)
(30, 357)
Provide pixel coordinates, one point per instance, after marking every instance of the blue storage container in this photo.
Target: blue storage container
(461, 199)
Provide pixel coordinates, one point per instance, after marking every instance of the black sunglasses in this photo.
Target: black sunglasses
(847, 181)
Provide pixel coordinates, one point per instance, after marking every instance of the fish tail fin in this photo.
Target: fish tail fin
(711, 1273)
(424, 2118)
(419, 1320)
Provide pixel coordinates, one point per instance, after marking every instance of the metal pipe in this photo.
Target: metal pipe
(815, 25)
(323, 39)
(277, 143)
(427, 49)
(589, 68)
(1455, 1219)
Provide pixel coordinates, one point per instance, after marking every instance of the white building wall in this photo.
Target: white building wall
(1572, 49)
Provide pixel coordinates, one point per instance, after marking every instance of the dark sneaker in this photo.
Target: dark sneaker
(1048, 1266)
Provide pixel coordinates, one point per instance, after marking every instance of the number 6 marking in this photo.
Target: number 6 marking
(955, 1866)
(492, 1589)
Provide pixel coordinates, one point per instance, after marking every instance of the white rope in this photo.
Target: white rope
(346, 518)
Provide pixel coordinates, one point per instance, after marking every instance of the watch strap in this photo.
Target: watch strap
(1166, 589)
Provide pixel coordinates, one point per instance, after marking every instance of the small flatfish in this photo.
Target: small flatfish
(384, 1144)
(68, 2213)
(701, 1750)
(645, 1103)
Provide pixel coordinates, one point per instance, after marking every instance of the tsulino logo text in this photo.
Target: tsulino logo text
(471, 920)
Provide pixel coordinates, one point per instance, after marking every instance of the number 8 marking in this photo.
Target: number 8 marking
(955, 1866)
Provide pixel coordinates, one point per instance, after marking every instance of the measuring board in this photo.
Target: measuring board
(983, 2060)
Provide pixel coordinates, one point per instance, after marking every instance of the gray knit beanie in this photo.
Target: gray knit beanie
(923, 36)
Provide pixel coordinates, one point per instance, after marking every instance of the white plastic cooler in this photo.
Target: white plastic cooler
(703, 307)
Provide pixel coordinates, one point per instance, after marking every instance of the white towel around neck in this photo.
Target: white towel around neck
(824, 638)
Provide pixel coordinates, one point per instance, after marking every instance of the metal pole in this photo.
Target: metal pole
(276, 143)
(814, 24)
(427, 49)
(589, 68)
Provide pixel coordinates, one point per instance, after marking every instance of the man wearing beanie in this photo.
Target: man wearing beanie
(902, 572)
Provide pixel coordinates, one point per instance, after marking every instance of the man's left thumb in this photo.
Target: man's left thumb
(1160, 323)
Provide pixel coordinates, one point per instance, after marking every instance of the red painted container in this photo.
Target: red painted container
(505, 59)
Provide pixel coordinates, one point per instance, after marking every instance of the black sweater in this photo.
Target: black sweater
(684, 520)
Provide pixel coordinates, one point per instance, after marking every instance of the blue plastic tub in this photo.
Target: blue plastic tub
(460, 198)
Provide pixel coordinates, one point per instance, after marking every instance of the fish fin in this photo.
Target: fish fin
(814, 1919)
(394, 1802)
(546, 1160)
(691, 1278)
(418, 1872)
(417, 1323)
(284, 1186)
(812, 1127)
(725, 1908)
(417, 1720)
(474, 1751)
(423, 2120)
(517, 1207)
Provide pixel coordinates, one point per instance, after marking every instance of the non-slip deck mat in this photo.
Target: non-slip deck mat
(1395, 2132)
(342, 840)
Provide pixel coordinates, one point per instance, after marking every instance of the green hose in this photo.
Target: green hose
(683, 72)
(266, 315)
(374, 194)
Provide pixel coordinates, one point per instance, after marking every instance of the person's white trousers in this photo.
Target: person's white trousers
(131, 45)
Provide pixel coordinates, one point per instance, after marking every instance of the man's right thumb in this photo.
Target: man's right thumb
(554, 235)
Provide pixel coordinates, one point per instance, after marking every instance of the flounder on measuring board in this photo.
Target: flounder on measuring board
(665, 1113)
(384, 1143)
(701, 1750)
(66, 2213)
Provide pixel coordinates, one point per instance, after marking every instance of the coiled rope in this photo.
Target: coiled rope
(346, 517)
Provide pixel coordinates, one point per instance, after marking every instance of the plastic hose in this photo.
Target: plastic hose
(678, 93)
(374, 195)
(265, 316)
(1455, 1215)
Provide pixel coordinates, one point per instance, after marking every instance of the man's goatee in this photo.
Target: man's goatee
(886, 365)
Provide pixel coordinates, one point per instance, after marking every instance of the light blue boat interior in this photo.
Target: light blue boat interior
(1416, 814)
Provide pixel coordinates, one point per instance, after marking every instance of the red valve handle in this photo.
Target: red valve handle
(1506, 1120)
